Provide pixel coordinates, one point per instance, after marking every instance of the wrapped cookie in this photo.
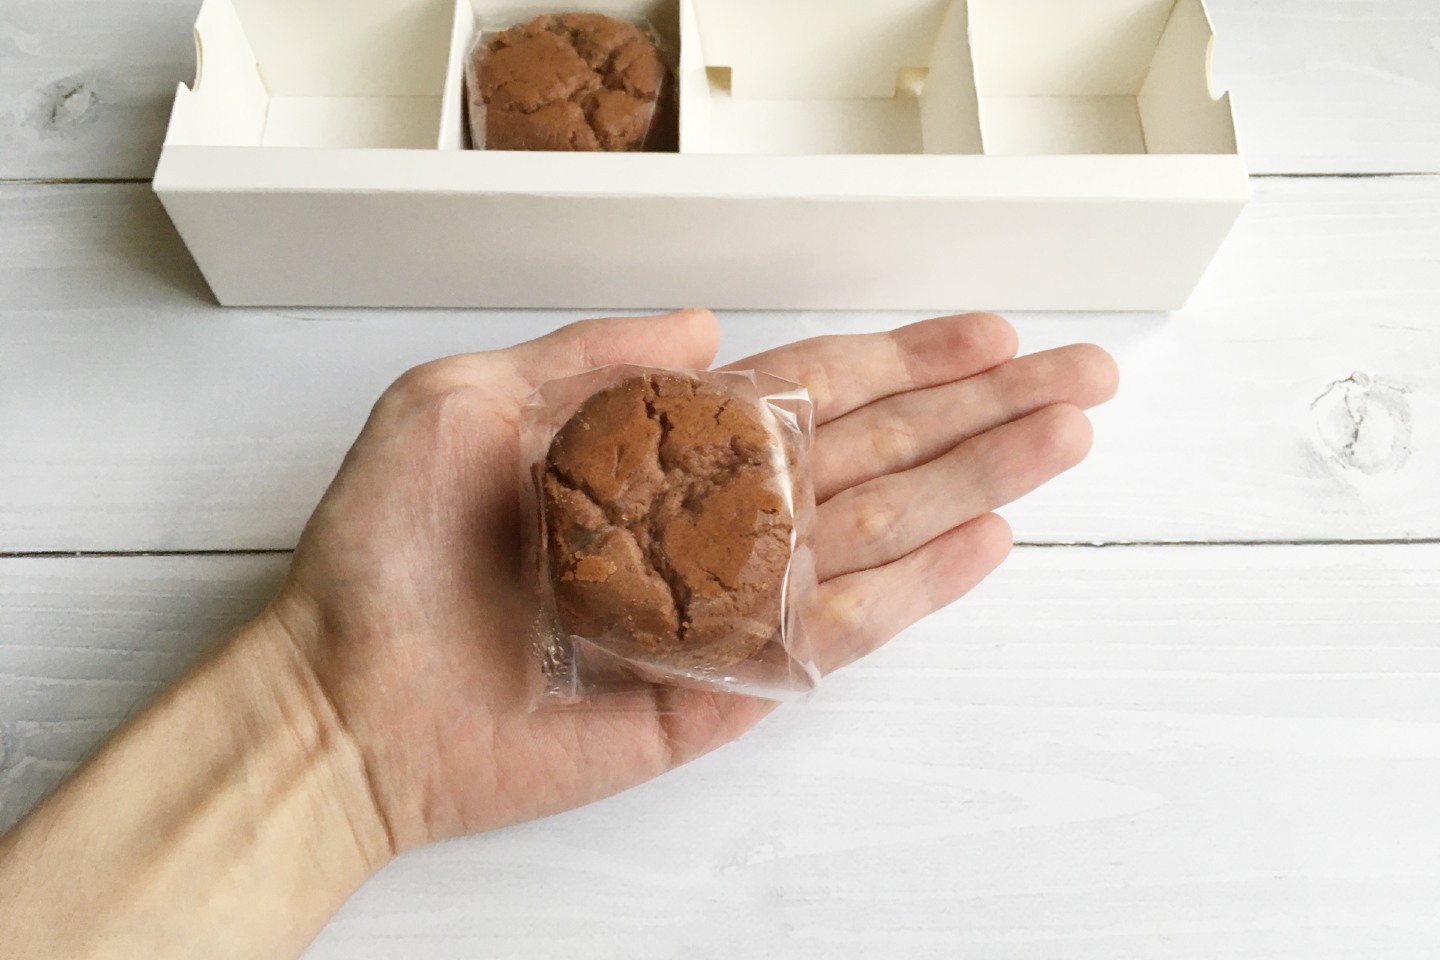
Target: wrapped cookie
(571, 82)
(670, 516)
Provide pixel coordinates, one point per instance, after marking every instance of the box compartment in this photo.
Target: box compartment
(900, 154)
(803, 77)
(318, 73)
(1098, 77)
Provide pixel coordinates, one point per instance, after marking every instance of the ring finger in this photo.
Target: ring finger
(886, 518)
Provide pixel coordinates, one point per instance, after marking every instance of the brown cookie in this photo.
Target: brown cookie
(668, 531)
(578, 81)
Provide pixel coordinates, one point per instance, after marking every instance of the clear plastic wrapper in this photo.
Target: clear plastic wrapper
(571, 82)
(669, 517)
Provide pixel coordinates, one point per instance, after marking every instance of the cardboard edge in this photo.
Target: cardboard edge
(227, 100)
(692, 84)
(1225, 96)
(1209, 51)
(1180, 109)
(453, 113)
(1199, 178)
(956, 136)
(199, 58)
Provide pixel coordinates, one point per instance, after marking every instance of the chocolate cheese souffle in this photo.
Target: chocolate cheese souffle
(668, 532)
(573, 82)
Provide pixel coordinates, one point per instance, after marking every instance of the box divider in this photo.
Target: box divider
(454, 131)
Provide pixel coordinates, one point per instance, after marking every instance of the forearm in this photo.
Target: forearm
(231, 818)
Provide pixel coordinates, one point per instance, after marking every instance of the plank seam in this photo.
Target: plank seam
(1344, 176)
(1020, 544)
(58, 181)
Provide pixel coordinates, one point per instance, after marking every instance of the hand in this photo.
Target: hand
(405, 596)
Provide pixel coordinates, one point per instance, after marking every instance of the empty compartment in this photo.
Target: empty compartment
(317, 73)
(819, 77)
(1097, 77)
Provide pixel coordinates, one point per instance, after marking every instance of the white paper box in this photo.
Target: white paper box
(845, 154)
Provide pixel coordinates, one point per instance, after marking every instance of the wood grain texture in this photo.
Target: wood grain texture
(1193, 752)
(86, 85)
(1321, 86)
(1332, 86)
(84, 643)
(1298, 398)
(1152, 752)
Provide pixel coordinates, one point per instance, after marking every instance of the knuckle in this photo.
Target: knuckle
(848, 613)
(440, 399)
(853, 626)
(909, 361)
(427, 385)
(874, 522)
(814, 377)
(580, 341)
(894, 442)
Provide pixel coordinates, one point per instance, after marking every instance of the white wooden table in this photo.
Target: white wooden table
(1197, 714)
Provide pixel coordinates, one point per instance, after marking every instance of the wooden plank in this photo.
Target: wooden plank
(1332, 86)
(86, 88)
(1162, 752)
(1328, 86)
(1298, 398)
(84, 643)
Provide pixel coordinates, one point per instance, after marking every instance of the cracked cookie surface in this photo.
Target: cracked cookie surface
(667, 529)
(578, 81)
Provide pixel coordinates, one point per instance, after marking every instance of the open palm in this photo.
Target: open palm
(405, 595)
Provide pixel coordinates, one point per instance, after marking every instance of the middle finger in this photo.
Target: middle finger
(846, 372)
(884, 519)
(909, 429)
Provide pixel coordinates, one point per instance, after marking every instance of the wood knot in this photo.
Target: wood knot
(1364, 424)
(65, 105)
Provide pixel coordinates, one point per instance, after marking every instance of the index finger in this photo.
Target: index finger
(846, 372)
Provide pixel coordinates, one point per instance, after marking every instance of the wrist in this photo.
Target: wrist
(351, 686)
(271, 668)
(230, 818)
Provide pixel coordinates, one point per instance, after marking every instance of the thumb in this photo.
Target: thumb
(686, 339)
